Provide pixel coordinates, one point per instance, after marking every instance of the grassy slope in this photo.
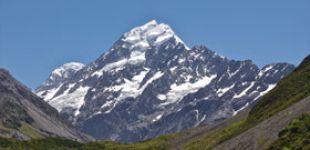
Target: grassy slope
(159, 143)
(28, 130)
(208, 141)
(296, 136)
(39, 144)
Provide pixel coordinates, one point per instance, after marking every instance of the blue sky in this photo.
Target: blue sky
(38, 36)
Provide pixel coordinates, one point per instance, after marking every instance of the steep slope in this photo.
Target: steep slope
(23, 115)
(150, 83)
(266, 132)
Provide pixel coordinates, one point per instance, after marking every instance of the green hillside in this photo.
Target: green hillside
(296, 136)
(159, 143)
(288, 91)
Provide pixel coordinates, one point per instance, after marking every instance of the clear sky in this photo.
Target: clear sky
(37, 36)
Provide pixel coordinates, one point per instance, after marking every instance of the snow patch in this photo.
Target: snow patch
(243, 107)
(177, 92)
(161, 97)
(136, 57)
(181, 60)
(49, 93)
(69, 88)
(156, 76)
(73, 100)
(131, 88)
(270, 87)
(261, 73)
(243, 93)
(173, 68)
(221, 92)
(157, 117)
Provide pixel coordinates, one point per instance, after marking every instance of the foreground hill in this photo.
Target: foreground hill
(25, 116)
(150, 83)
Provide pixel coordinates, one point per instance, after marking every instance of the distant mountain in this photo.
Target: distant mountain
(24, 116)
(150, 83)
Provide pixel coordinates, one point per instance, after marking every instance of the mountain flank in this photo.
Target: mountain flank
(25, 116)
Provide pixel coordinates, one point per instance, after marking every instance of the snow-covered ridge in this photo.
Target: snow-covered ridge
(67, 66)
(136, 57)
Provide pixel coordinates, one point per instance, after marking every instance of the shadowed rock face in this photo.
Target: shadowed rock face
(20, 108)
(150, 83)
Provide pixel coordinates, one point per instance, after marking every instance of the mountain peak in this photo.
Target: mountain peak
(151, 34)
(63, 72)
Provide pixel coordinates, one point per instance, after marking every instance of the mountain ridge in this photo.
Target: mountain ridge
(289, 100)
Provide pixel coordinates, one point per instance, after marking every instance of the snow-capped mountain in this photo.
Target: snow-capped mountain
(150, 83)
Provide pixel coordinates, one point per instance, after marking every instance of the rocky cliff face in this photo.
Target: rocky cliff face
(23, 115)
(150, 83)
